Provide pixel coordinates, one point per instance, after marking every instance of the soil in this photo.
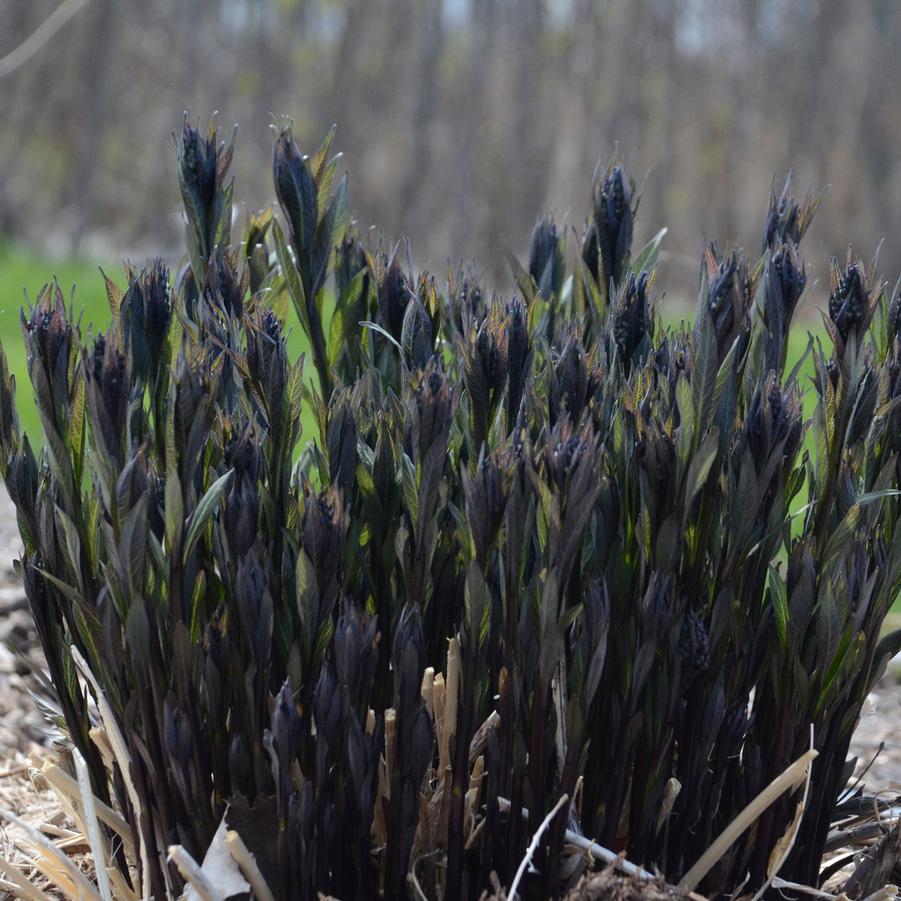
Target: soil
(614, 886)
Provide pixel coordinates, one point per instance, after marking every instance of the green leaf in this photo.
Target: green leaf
(345, 319)
(73, 541)
(333, 223)
(318, 160)
(133, 553)
(205, 510)
(779, 600)
(377, 328)
(667, 543)
(407, 480)
(78, 428)
(71, 593)
(175, 511)
(475, 594)
(839, 540)
(137, 632)
(113, 294)
(706, 368)
(646, 258)
(524, 280)
(307, 600)
(687, 422)
(292, 278)
(836, 658)
(589, 296)
(701, 465)
(323, 639)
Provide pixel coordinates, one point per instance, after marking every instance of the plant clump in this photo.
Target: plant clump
(537, 545)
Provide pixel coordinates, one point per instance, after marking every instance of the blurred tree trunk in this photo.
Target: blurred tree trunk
(530, 166)
(98, 72)
(467, 215)
(183, 93)
(462, 119)
(419, 163)
(16, 21)
(578, 122)
(345, 72)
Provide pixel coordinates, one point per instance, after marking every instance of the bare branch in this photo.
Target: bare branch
(20, 55)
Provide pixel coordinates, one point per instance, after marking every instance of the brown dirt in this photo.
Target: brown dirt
(613, 886)
(880, 724)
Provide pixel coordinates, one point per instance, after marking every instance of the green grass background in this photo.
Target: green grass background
(23, 270)
(22, 273)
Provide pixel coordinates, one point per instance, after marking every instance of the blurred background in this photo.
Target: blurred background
(460, 120)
